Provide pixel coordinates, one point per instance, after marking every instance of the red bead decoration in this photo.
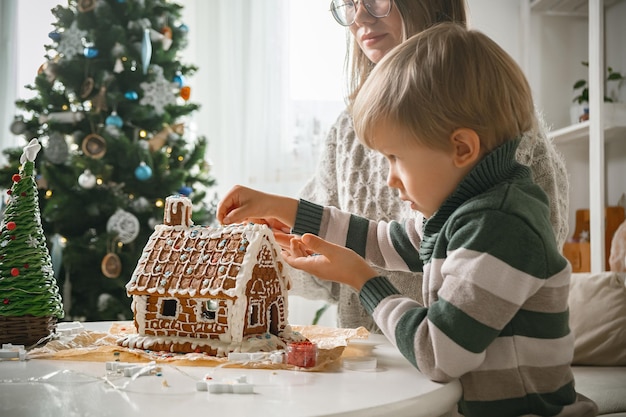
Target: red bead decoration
(6, 301)
(26, 266)
(9, 192)
(16, 177)
(15, 272)
(23, 194)
(11, 225)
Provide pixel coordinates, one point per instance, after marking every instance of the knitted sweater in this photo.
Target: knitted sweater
(353, 178)
(495, 289)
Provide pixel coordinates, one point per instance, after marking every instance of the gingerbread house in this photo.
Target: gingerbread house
(208, 289)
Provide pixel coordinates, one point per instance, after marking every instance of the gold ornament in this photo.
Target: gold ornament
(94, 146)
(111, 265)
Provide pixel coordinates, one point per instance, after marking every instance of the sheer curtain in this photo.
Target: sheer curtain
(8, 71)
(239, 46)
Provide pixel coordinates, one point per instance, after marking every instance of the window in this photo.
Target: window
(255, 315)
(169, 307)
(209, 310)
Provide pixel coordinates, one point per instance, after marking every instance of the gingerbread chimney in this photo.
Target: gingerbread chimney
(177, 211)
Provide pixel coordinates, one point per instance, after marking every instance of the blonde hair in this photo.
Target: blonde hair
(445, 78)
(417, 15)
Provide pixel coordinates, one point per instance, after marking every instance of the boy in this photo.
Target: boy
(447, 109)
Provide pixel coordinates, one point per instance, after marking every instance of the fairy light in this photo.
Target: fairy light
(48, 194)
(159, 203)
(143, 134)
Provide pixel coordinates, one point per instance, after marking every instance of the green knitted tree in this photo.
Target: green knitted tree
(30, 303)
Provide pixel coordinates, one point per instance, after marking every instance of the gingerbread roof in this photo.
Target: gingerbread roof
(191, 261)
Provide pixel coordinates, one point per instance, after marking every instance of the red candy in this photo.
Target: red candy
(11, 225)
(302, 354)
(15, 272)
(16, 177)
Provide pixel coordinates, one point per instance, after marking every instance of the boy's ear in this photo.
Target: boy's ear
(466, 148)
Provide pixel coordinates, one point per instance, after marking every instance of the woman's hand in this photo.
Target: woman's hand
(242, 204)
(328, 261)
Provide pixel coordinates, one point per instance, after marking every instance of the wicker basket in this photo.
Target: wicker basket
(26, 330)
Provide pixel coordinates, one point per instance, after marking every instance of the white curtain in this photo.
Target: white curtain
(240, 48)
(8, 72)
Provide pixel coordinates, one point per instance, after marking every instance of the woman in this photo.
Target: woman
(353, 178)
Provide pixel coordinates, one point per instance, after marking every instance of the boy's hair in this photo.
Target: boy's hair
(417, 15)
(445, 78)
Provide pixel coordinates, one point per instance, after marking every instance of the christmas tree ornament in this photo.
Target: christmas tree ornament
(56, 150)
(71, 43)
(87, 180)
(183, 28)
(140, 204)
(18, 126)
(131, 95)
(86, 87)
(50, 70)
(185, 190)
(157, 141)
(124, 225)
(114, 119)
(119, 66)
(146, 51)
(94, 146)
(111, 265)
(179, 80)
(185, 92)
(62, 117)
(167, 32)
(54, 35)
(158, 93)
(90, 52)
(143, 172)
(99, 102)
(31, 302)
(85, 6)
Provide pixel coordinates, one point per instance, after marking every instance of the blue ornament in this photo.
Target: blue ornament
(131, 95)
(185, 190)
(114, 120)
(143, 172)
(90, 52)
(55, 36)
(179, 80)
(183, 28)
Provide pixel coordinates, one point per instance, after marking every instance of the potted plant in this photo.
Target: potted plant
(580, 109)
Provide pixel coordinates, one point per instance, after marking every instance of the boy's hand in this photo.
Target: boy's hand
(328, 261)
(242, 204)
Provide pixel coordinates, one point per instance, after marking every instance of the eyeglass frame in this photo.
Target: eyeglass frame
(356, 5)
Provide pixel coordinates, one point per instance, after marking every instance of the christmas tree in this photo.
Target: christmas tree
(112, 113)
(31, 303)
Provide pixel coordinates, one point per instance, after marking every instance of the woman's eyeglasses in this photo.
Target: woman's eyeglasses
(344, 11)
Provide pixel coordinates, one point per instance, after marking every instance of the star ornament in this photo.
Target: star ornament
(30, 151)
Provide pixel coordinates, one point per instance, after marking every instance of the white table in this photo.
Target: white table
(52, 388)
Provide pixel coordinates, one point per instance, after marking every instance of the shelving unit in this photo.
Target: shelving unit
(606, 124)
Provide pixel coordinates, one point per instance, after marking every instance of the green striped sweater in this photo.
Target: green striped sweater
(495, 291)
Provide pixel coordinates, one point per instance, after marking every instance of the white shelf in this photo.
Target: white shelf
(614, 115)
(565, 7)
